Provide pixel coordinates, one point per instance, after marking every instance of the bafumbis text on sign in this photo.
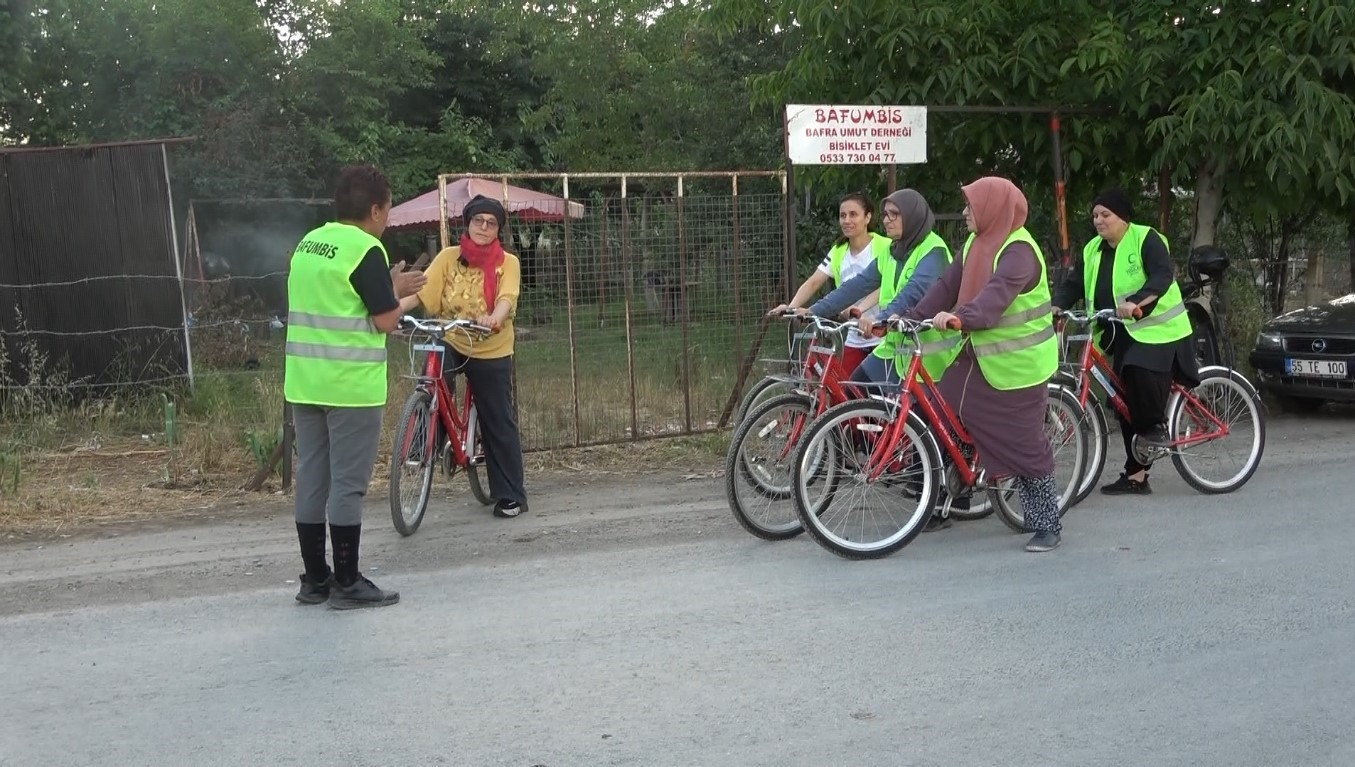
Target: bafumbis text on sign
(834, 134)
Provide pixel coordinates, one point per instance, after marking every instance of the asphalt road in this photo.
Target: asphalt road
(638, 625)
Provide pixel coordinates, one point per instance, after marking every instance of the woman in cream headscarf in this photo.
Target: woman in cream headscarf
(997, 293)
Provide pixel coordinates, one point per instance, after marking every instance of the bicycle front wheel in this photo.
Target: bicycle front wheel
(758, 467)
(1224, 399)
(870, 513)
(412, 463)
(761, 392)
(1096, 432)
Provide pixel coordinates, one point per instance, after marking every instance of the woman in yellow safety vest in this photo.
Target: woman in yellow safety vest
(853, 253)
(1127, 267)
(997, 294)
(899, 278)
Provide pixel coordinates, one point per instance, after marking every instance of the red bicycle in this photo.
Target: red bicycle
(880, 455)
(422, 443)
(1224, 405)
(757, 472)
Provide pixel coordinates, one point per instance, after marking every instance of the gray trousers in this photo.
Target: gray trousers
(335, 455)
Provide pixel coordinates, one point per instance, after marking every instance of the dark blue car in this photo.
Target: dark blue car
(1305, 357)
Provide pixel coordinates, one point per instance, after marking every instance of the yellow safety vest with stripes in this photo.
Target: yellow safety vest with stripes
(335, 355)
(939, 347)
(1021, 350)
(1169, 321)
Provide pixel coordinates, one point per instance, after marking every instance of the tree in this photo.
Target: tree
(485, 72)
(1252, 96)
(980, 53)
(649, 87)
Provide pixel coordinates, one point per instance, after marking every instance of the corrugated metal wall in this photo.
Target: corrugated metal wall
(86, 236)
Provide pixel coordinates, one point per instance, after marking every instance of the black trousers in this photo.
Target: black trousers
(1145, 394)
(491, 381)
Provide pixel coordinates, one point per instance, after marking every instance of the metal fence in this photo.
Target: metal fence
(89, 281)
(635, 314)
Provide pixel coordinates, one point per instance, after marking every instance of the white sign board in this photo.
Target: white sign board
(855, 135)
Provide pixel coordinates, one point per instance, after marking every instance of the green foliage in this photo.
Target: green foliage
(11, 469)
(1258, 96)
(261, 445)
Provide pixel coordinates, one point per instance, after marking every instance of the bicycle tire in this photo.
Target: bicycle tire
(1060, 398)
(475, 452)
(1175, 408)
(811, 515)
(1097, 433)
(758, 391)
(737, 469)
(407, 523)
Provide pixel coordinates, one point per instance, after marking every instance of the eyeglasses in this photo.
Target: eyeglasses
(485, 222)
(889, 215)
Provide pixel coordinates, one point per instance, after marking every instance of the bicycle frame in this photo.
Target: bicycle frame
(922, 390)
(1094, 364)
(453, 419)
(820, 362)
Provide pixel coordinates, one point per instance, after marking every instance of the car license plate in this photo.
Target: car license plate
(1316, 368)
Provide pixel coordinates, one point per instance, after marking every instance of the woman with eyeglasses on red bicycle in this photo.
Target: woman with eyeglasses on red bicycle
(478, 280)
(1126, 267)
(900, 278)
(997, 294)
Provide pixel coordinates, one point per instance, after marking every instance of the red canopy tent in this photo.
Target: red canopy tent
(523, 204)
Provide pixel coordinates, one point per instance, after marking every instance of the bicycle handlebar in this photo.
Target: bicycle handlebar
(822, 324)
(1085, 318)
(912, 327)
(440, 327)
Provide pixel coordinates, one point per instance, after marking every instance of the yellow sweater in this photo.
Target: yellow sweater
(457, 291)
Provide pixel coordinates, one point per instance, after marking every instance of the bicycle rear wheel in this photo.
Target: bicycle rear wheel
(1067, 438)
(1224, 394)
(475, 459)
(412, 463)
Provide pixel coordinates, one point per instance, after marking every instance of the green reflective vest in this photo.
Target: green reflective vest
(938, 347)
(335, 355)
(879, 247)
(1021, 350)
(1169, 321)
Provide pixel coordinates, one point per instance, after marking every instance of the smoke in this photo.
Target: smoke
(252, 245)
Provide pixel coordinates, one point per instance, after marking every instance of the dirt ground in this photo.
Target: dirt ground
(90, 492)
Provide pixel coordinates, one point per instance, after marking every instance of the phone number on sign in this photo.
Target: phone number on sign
(855, 158)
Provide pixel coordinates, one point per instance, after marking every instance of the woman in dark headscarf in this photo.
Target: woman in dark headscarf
(915, 260)
(997, 293)
(1126, 267)
(478, 280)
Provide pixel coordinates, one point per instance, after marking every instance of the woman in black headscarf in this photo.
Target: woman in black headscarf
(1126, 267)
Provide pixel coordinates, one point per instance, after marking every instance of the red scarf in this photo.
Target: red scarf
(488, 259)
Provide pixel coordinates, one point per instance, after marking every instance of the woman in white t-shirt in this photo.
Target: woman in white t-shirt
(854, 251)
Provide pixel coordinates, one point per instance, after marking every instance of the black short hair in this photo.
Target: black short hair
(360, 187)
